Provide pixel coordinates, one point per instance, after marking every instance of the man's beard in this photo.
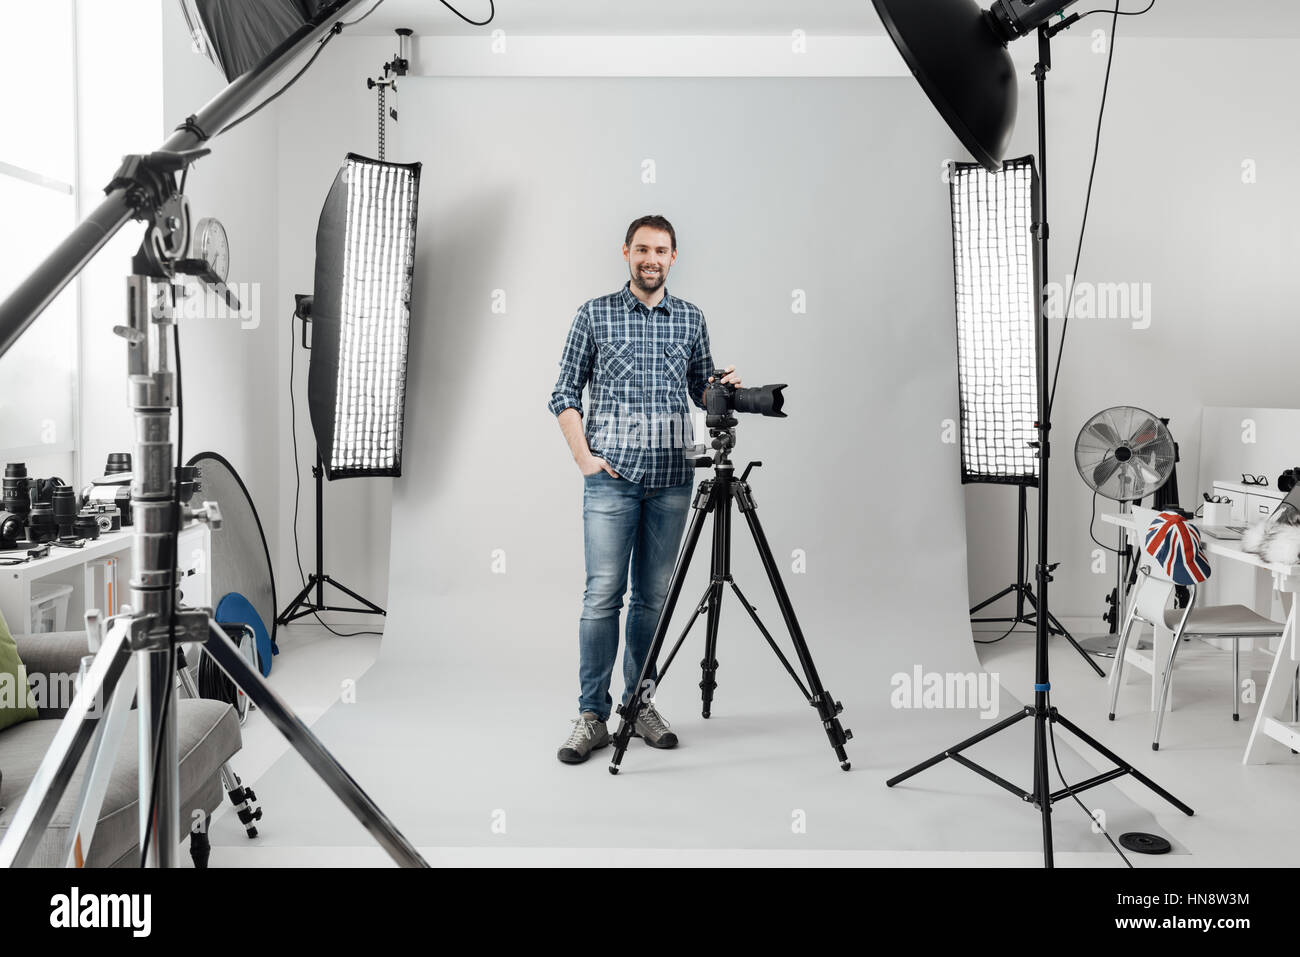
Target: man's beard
(649, 283)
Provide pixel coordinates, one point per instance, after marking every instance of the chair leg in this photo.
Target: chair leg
(1164, 690)
(1117, 665)
(1236, 678)
(1295, 699)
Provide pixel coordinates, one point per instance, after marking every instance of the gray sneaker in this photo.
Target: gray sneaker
(654, 729)
(589, 733)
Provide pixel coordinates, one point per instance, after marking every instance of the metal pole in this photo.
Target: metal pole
(319, 473)
(1042, 791)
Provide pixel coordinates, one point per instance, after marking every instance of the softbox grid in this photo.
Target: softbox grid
(361, 317)
(997, 292)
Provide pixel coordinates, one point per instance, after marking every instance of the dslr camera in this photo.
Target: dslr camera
(722, 399)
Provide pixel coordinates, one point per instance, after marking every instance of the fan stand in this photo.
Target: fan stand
(1105, 646)
(1024, 592)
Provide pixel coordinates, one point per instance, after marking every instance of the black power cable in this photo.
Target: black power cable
(492, 12)
(1051, 726)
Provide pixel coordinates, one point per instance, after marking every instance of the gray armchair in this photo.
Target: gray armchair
(208, 735)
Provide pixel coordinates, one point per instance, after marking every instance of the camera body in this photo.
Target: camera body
(107, 517)
(722, 399)
(1288, 479)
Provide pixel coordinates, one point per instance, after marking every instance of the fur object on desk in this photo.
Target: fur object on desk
(1273, 542)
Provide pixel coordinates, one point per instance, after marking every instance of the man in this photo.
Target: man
(642, 351)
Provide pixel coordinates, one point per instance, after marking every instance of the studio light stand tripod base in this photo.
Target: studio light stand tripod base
(1024, 593)
(715, 496)
(302, 605)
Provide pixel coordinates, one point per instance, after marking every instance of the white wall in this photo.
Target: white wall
(232, 386)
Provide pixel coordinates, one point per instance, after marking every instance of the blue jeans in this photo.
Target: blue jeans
(621, 520)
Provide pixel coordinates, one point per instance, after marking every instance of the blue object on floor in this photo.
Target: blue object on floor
(234, 607)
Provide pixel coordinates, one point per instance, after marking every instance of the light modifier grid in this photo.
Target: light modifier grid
(997, 287)
(377, 270)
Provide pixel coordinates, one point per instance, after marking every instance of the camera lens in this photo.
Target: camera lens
(16, 484)
(63, 503)
(41, 527)
(761, 400)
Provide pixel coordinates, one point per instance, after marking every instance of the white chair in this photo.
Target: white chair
(1149, 604)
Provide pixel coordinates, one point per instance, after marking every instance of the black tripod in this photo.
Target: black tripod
(302, 605)
(1042, 797)
(1024, 593)
(715, 496)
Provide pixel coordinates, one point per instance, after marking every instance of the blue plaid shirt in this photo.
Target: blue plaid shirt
(640, 365)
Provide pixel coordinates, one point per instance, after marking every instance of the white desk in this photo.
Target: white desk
(65, 566)
(1271, 724)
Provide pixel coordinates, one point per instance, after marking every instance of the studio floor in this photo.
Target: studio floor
(1244, 815)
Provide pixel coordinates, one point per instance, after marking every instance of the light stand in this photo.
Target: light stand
(901, 28)
(1024, 592)
(317, 580)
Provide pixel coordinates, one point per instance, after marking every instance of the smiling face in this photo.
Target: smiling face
(649, 257)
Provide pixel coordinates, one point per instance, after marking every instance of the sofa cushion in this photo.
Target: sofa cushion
(15, 705)
(208, 735)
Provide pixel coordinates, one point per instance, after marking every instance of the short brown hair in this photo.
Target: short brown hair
(654, 222)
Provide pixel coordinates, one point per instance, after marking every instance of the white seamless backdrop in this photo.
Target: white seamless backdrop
(528, 188)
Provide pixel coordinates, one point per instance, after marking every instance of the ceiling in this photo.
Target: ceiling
(1169, 18)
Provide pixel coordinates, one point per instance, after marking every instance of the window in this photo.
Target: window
(38, 376)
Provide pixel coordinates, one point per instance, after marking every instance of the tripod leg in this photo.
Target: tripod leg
(992, 598)
(776, 650)
(1042, 785)
(370, 605)
(34, 812)
(828, 709)
(224, 652)
(709, 663)
(700, 608)
(241, 797)
(959, 747)
(627, 713)
(159, 748)
(1120, 762)
(1054, 627)
(293, 609)
(94, 784)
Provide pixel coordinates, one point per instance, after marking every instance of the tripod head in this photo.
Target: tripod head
(724, 440)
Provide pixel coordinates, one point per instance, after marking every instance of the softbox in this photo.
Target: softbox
(237, 34)
(360, 317)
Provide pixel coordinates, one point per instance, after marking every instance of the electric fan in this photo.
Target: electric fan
(1123, 454)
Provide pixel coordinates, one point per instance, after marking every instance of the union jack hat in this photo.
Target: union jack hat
(1176, 544)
